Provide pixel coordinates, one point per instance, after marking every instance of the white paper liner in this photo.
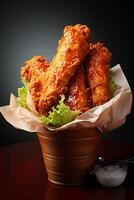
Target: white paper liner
(106, 117)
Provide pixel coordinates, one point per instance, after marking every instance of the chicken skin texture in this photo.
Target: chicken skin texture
(72, 49)
(33, 72)
(98, 73)
(34, 67)
(77, 97)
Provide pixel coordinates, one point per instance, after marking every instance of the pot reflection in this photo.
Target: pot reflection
(57, 192)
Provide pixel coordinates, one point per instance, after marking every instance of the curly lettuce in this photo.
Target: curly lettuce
(112, 83)
(60, 114)
(22, 95)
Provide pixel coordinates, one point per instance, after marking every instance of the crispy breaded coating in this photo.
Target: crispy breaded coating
(98, 73)
(72, 49)
(34, 67)
(33, 72)
(77, 97)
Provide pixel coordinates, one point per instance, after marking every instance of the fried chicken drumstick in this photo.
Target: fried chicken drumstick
(72, 49)
(77, 96)
(98, 73)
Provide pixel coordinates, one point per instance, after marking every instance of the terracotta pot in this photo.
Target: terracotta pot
(69, 155)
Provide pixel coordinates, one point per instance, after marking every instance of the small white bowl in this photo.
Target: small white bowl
(111, 175)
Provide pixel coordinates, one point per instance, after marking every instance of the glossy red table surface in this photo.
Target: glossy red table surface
(23, 175)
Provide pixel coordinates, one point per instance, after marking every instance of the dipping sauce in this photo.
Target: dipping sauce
(111, 175)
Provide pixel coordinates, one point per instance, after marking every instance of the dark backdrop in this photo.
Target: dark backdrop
(29, 28)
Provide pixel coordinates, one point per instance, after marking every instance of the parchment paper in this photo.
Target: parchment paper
(106, 117)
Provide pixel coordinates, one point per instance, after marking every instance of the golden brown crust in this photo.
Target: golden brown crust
(34, 67)
(33, 72)
(72, 50)
(98, 73)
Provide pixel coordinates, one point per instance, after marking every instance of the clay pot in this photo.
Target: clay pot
(69, 155)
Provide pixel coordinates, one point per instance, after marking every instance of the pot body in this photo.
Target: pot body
(69, 155)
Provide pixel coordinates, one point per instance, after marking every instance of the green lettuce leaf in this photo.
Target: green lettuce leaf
(22, 95)
(60, 114)
(112, 83)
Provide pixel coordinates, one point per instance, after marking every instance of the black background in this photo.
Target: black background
(29, 28)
